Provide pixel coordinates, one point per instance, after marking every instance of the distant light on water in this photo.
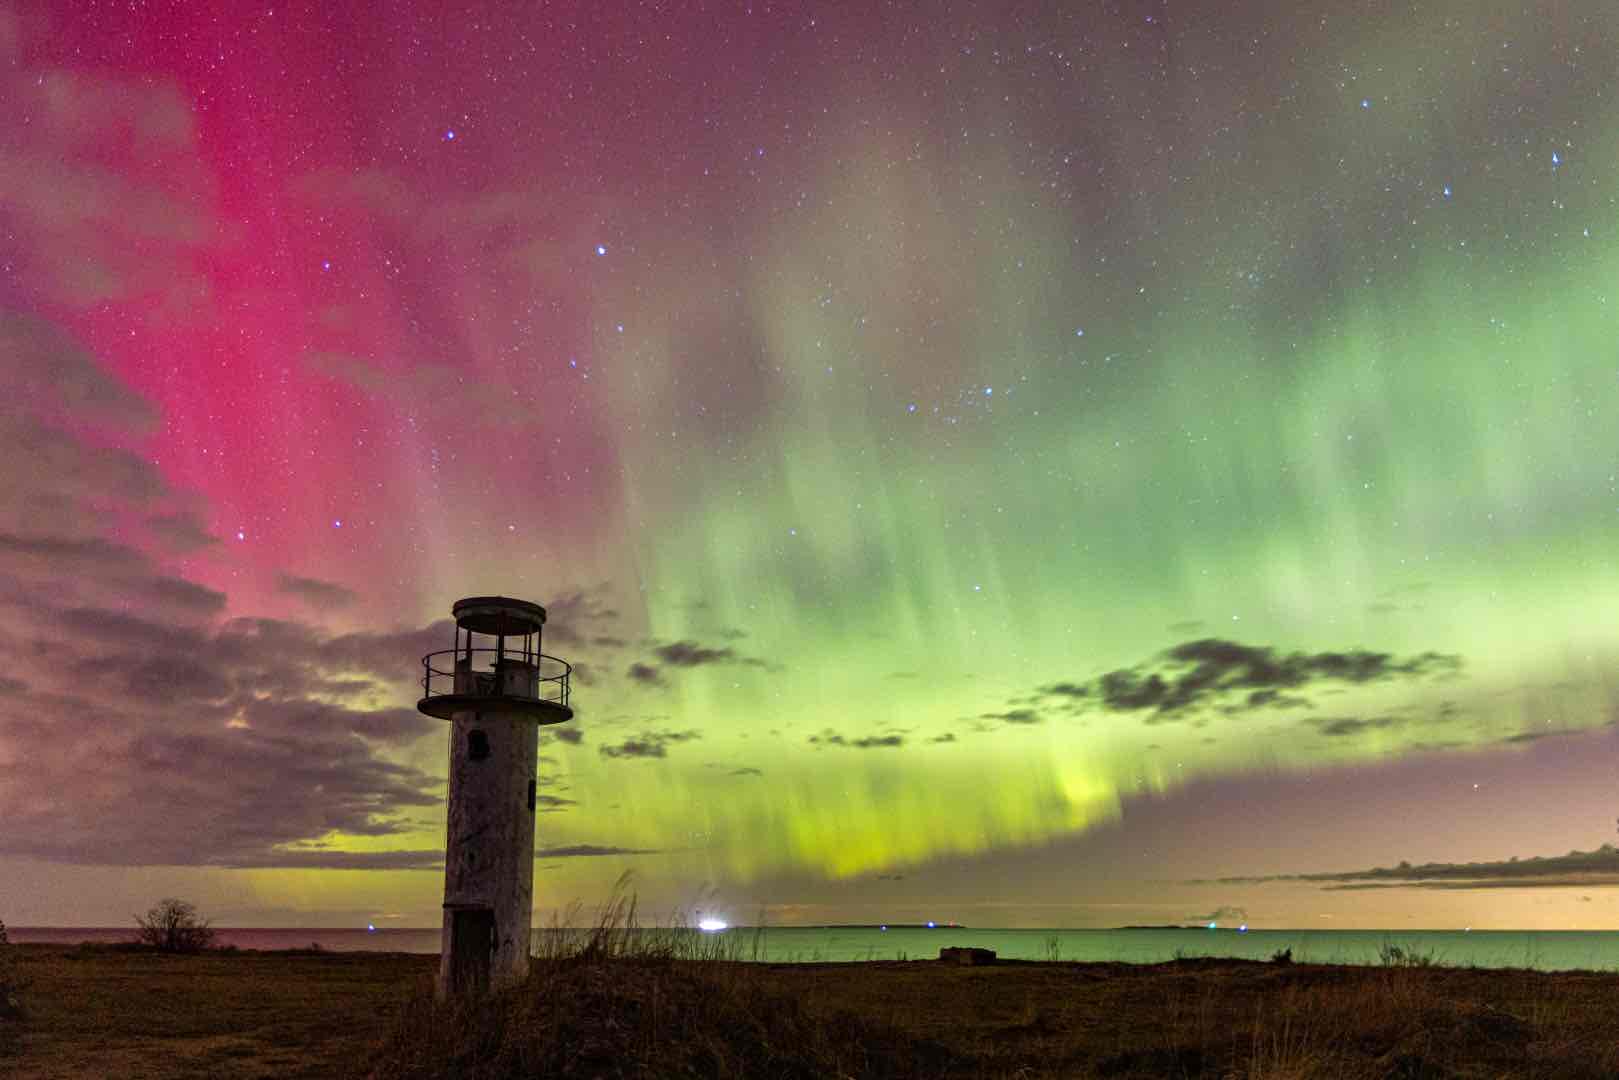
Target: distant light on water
(712, 926)
(370, 928)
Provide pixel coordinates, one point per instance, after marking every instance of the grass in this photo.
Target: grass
(635, 1017)
(619, 1000)
(111, 1011)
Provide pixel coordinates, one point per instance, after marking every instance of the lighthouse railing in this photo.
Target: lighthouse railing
(491, 673)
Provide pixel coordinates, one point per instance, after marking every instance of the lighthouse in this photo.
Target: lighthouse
(496, 689)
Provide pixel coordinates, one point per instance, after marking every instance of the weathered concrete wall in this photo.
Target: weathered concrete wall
(489, 850)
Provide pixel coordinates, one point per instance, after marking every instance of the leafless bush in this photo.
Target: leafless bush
(11, 981)
(174, 926)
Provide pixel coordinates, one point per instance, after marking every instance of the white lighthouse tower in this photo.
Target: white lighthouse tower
(496, 689)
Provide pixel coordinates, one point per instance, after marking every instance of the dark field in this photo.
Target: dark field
(108, 1013)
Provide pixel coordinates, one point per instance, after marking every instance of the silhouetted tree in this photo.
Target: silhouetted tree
(11, 983)
(174, 926)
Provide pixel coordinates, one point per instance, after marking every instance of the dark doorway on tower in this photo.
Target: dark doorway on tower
(472, 947)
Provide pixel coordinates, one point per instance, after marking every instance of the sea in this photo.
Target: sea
(1540, 950)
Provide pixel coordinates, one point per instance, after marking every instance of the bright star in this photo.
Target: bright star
(601, 249)
(449, 136)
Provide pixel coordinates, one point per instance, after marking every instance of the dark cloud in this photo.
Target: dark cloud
(177, 593)
(1123, 690)
(645, 674)
(1234, 676)
(49, 371)
(567, 733)
(691, 654)
(316, 593)
(181, 532)
(577, 617)
(747, 770)
(1581, 868)
(551, 804)
(1065, 689)
(684, 654)
(323, 859)
(947, 737)
(1261, 698)
(589, 851)
(648, 744)
(1015, 716)
(1537, 735)
(159, 733)
(866, 742)
(1352, 725)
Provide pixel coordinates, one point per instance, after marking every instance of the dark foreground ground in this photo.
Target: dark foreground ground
(107, 1013)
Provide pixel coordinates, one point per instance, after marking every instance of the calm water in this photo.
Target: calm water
(1540, 949)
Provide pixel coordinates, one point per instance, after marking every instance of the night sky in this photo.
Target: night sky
(1011, 463)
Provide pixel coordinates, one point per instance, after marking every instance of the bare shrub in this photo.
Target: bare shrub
(11, 981)
(174, 926)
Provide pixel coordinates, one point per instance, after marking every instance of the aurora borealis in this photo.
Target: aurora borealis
(1027, 464)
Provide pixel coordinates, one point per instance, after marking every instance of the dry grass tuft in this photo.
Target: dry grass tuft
(623, 1000)
(631, 1016)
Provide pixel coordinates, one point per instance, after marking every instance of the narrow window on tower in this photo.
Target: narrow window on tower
(477, 744)
(531, 796)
